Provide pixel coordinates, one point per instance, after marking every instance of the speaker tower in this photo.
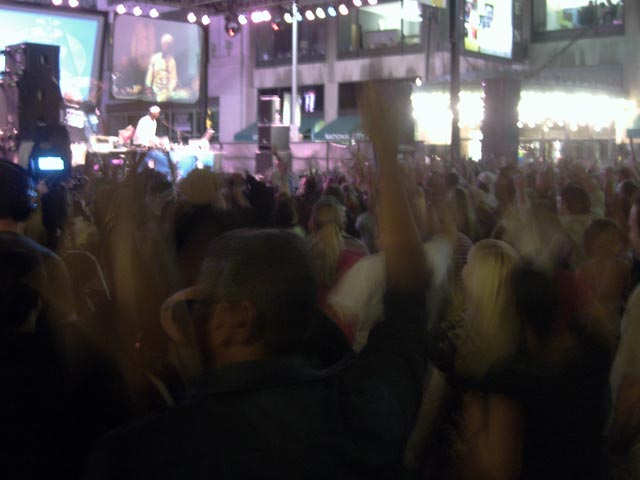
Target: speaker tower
(500, 134)
(31, 93)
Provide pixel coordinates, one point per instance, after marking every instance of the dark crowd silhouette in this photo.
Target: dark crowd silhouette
(390, 319)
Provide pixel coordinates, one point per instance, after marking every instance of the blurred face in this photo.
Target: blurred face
(166, 45)
(634, 231)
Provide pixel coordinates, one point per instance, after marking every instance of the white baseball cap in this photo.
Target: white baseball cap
(154, 109)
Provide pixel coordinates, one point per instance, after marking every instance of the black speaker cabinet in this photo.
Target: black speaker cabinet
(34, 60)
(500, 134)
(269, 110)
(264, 161)
(31, 95)
(31, 103)
(277, 135)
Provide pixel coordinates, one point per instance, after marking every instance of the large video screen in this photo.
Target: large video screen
(79, 36)
(156, 60)
(488, 27)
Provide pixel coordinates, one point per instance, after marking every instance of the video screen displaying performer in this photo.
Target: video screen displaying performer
(156, 60)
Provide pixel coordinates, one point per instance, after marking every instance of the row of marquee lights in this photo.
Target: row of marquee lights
(122, 9)
(234, 23)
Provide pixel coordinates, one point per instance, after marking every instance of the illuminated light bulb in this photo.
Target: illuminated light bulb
(331, 10)
(256, 17)
(74, 3)
(288, 17)
(57, 3)
(191, 17)
(309, 15)
(418, 81)
(320, 13)
(205, 20)
(357, 3)
(266, 16)
(120, 9)
(153, 13)
(372, 2)
(137, 11)
(242, 19)
(520, 125)
(343, 9)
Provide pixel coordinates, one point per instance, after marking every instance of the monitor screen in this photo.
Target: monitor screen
(156, 60)
(50, 163)
(79, 36)
(488, 27)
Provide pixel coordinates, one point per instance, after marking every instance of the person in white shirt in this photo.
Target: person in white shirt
(145, 136)
(162, 73)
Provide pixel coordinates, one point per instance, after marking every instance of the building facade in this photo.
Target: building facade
(559, 46)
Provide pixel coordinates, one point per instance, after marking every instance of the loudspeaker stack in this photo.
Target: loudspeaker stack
(271, 132)
(31, 88)
(500, 134)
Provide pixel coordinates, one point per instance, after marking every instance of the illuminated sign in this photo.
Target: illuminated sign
(488, 27)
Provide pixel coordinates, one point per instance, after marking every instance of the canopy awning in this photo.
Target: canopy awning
(248, 134)
(634, 131)
(309, 126)
(342, 129)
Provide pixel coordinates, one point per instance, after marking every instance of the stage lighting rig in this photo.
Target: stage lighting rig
(231, 25)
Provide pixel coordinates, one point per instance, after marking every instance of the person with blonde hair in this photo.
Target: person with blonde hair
(334, 252)
(485, 335)
(490, 332)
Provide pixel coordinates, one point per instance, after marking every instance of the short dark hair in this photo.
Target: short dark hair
(627, 188)
(270, 269)
(16, 192)
(536, 300)
(285, 214)
(576, 199)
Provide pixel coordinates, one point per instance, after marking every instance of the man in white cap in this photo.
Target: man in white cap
(146, 129)
(145, 136)
(162, 74)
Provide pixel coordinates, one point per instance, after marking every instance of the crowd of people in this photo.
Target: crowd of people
(396, 319)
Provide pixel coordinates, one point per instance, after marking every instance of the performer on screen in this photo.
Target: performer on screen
(162, 74)
(145, 136)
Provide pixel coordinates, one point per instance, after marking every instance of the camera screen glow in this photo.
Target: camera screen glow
(50, 163)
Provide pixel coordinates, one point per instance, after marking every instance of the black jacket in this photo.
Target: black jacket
(285, 418)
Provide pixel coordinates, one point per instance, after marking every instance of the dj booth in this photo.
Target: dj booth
(107, 152)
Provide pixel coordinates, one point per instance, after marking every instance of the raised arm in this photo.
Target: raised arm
(406, 266)
(385, 381)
